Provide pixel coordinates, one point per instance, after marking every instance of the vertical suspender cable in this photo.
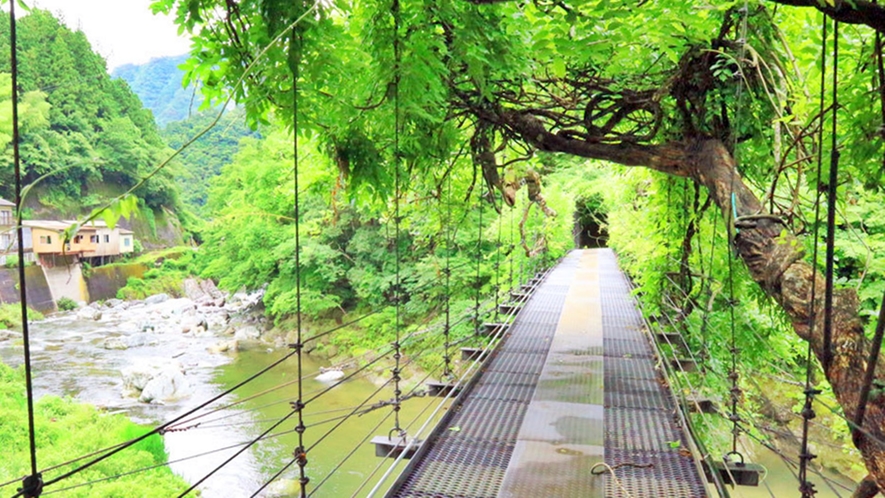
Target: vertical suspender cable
(512, 248)
(397, 355)
(32, 485)
(498, 261)
(299, 453)
(876, 345)
(478, 255)
(831, 210)
(447, 356)
(806, 487)
(735, 390)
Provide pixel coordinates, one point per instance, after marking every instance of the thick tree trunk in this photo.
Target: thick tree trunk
(773, 256)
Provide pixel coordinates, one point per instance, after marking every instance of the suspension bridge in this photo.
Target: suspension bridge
(567, 395)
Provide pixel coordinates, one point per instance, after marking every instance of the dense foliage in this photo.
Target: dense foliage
(67, 430)
(202, 160)
(93, 140)
(678, 87)
(349, 255)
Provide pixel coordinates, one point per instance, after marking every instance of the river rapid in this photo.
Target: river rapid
(196, 348)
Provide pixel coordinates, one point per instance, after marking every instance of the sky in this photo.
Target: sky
(123, 31)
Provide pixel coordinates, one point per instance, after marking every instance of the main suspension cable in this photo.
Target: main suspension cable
(32, 485)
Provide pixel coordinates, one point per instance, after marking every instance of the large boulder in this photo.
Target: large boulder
(155, 381)
(282, 488)
(247, 333)
(156, 299)
(193, 290)
(89, 313)
(168, 385)
(211, 290)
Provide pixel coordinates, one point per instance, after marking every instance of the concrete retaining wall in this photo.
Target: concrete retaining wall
(104, 282)
(39, 294)
(66, 281)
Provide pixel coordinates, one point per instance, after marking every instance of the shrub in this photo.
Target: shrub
(67, 429)
(66, 304)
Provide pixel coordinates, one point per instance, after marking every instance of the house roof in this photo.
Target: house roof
(56, 225)
(4, 202)
(125, 231)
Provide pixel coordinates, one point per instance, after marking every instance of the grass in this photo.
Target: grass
(10, 316)
(65, 430)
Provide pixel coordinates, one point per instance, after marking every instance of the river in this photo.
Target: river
(70, 357)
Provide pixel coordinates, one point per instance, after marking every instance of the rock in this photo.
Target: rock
(89, 313)
(247, 333)
(202, 332)
(193, 290)
(329, 375)
(156, 299)
(155, 380)
(208, 287)
(114, 343)
(113, 303)
(5, 335)
(170, 384)
(138, 340)
(230, 346)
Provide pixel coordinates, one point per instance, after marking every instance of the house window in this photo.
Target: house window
(5, 217)
(93, 239)
(77, 239)
(46, 239)
(127, 241)
(107, 238)
(4, 242)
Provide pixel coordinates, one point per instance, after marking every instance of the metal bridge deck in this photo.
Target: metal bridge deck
(572, 385)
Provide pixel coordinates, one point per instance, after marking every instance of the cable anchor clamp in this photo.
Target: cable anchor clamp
(32, 486)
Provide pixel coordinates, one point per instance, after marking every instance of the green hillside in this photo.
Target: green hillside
(158, 84)
(98, 140)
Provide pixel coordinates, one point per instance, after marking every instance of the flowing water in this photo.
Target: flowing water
(70, 359)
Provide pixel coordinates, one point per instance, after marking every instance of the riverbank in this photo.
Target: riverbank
(67, 430)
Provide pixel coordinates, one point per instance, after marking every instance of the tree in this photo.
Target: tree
(682, 88)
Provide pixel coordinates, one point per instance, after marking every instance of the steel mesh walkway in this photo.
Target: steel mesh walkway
(538, 418)
(639, 412)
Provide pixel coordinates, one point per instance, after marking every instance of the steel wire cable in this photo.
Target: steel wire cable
(748, 414)
(795, 381)
(303, 452)
(793, 464)
(805, 456)
(32, 485)
(237, 453)
(170, 462)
